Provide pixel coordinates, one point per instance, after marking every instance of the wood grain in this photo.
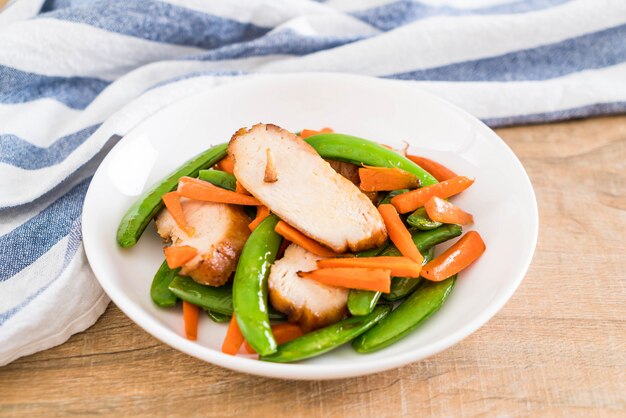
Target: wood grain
(558, 348)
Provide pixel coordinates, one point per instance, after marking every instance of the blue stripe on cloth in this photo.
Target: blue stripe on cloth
(74, 242)
(595, 50)
(29, 241)
(20, 87)
(282, 42)
(20, 153)
(393, 15)
(160, 22)
(612, 108)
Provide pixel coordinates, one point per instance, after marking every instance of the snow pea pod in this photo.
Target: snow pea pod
(218, 300)
(405, 318)
(361, 302)
(139, 215)
(250, 286)
(159, 290)
(393, 193)
(218, 317)
(359, 151)
(420, 220)
(328, 338)
(219, 178)
(403, 286)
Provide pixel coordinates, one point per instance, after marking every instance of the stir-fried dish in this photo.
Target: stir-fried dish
(305, 241)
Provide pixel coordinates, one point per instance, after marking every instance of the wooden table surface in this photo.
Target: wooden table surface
(558, 348)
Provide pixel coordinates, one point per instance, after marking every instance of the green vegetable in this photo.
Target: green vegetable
(405, 318)
(218, 300)
(360, 151)
(403, 286)
(420, 220)
(159, 290)
(219, 178)
(250, 286)
(218, 317)
(325, 339)
(139, 215)
(393, 193)
(215, 299)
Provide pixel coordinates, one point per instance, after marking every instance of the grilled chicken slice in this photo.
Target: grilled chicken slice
(310, 303)
(221, 232)
(304, 190)
(351, 172)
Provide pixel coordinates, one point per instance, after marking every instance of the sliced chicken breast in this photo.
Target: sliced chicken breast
(289, 177)
(221, 230)
(310, 303)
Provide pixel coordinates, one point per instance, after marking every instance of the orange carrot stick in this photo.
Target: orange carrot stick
(399, 266)
(460, 255)
(305, 133)
(438, 171)
(203, 190)
(292, 234)
(283, 333)
(440, 210)
(172, 203)
(407, 202)
(377, 280)
(190, 316)
(226, 164)
(178, 255)
(378, 179)
(262, 212)
(234, 338)
(240, 189)
(398, 233)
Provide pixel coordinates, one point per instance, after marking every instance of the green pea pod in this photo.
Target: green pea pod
(360, 151)
(328, 338)
(215, 299)
(250, 286)
(420, 220)
(403, 286)
(219, 178)
(405, 318)
(159, 290)
(139, 215)
(391, 194)
(218, 317)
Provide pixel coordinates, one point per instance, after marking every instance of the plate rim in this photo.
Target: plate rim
(300, 371)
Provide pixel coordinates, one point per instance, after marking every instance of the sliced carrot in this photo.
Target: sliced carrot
(226, 164)
(172, 203)
(262, 212)
(398, 233)
(234, 338)
(190, 316)
(409, 201)
(305, 133)
(292, 234)
(460, 255)
(283, 333)
(438, 171)
(203, 190)
(178, 255)
(283, 246)
(379, 179)
(240, 189)
(377, 280)
(440, 210)
(399, 266)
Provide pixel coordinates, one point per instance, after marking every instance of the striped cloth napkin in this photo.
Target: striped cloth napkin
(73, 73)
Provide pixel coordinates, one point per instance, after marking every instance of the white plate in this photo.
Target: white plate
(502, 201)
